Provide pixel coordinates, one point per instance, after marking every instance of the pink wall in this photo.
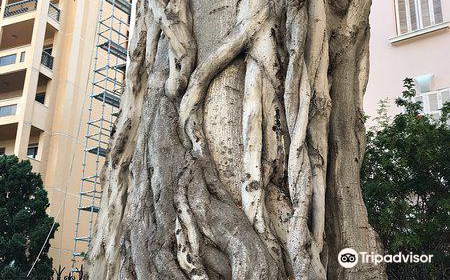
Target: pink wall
(390, 64)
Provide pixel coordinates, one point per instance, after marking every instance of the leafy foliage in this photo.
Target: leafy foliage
(405, 178)
(24, 224)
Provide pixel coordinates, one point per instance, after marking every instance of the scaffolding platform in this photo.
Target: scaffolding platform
(98, 151)
(91, 208)
(110, 99)
(120, 67)
(122, 5)
(115, 49)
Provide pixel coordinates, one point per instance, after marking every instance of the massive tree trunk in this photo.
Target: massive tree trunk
(237, 150)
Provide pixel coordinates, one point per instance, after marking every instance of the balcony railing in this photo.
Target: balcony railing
(20, 7)
(54, 12)
(47, 60)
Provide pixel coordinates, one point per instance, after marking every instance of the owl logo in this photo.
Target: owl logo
(348, 258)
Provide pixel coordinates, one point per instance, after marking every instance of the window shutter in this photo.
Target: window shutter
(403, 22)
(445, 95)
(413, 14)
(425, 10)
(433, 101)
(437, 11)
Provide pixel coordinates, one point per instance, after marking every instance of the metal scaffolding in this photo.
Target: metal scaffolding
(107, 86)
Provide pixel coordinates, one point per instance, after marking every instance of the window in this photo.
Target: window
(32, 151)
(40, 97)
(7, 60)
(22, 56)
(8, 110)
(417, 14)
(2, 151)
(433, 101)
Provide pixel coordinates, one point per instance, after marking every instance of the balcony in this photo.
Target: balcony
(47, 60)
(21, 7)
(17, 34)
(13, 60)
(54, 12)
(41, 116)
(9, 110)
(7, 137)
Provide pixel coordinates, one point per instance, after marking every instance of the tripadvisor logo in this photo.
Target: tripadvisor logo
(348, 258)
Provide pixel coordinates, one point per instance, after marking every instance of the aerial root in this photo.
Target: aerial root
(175, 20)
(187, 233)
(253, 189)
(191, 102)
(262, 127)
(303, 246)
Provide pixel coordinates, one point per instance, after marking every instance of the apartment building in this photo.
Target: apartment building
(410, 38)
(47, 52)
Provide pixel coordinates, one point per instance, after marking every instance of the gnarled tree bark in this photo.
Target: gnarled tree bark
(237, 149)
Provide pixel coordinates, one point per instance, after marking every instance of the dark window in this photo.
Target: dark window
(2, 151)
(32, 151)
(40, 97)
(22, 56)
